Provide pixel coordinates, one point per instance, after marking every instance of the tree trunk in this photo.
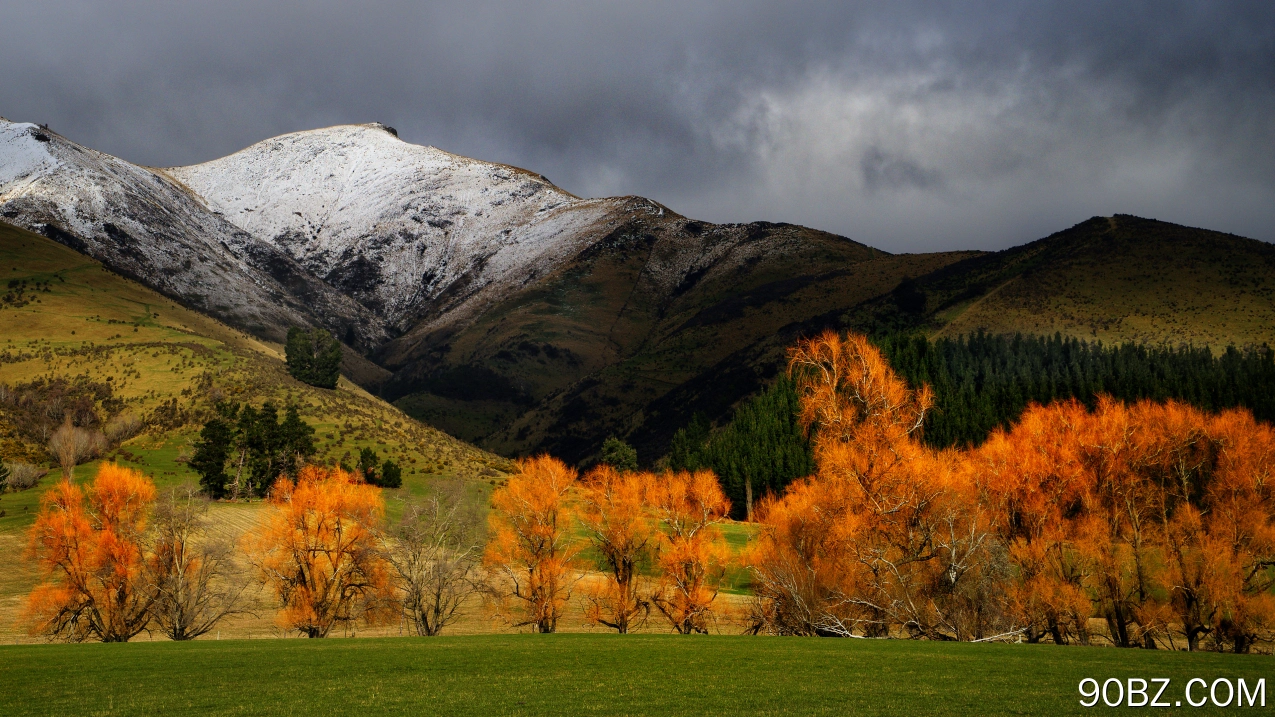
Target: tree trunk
(238, 472)
(748, 497)
(1193, 635)
(1055, 630)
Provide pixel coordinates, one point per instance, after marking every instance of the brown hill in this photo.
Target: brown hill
(598, 349)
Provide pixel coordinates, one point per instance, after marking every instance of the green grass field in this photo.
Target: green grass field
(586, 674)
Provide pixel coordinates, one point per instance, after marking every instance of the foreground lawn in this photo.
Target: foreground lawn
(585, 674)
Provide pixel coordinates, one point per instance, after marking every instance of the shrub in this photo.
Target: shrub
(23, 476)
(122, 427)
(619, 455)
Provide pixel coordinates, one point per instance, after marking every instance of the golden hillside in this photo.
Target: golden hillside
(65, 320)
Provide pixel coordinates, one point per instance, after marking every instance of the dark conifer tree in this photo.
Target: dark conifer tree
(368, 463)
(211, 453)
(391, 475)
(313, 356)
(619, 455)
(251, 446)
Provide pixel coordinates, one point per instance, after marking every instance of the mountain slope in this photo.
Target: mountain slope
(415, 234)
(77, 337)
(488, 301)
(656, 306)
(143, 225)
(1113, 279)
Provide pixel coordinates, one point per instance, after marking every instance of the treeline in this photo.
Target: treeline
(1154, 517)
(119, 557)
(761, 450)
(982, 382)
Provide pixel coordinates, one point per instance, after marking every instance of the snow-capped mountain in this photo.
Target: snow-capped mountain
(143, 224)
(497, 305)
(413, 233)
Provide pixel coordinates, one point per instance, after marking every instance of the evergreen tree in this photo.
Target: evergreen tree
(243, 450)
(296, 438)
(619, 455)
(367, 465)
(313, 356)
(762, 449)
(688, 445)
(265, 446)
(298, 353)
(391, 475)
(983, 381)
(211, 453)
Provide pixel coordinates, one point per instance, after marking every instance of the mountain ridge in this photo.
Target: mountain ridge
(486, 300)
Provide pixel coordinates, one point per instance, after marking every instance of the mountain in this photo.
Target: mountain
(77, 337)
(419, 237)
(142, 224)
(489, 302)
(1113, 279)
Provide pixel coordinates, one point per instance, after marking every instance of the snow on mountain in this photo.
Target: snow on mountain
(141, 223)
(348, 227)
(413, 233)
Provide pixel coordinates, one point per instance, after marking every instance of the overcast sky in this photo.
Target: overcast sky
(908, 126)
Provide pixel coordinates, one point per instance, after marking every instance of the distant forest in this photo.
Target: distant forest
(980, 382)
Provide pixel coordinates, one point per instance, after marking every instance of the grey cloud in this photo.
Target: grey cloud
(907, 125)
(885, 171)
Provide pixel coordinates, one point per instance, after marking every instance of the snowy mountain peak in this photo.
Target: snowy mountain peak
(142, 224)
(24, 147)
(393, 224)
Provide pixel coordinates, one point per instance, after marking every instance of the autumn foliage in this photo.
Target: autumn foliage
(89, 545)
(692, 553)
(531, 551)
(319, 551)
(612, 510)
(1140, 525)
(1152, 518)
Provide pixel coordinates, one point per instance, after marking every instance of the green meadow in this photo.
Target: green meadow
(593, 675)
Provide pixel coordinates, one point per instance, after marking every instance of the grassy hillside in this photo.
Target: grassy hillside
(1112, 279)
(589, 674)
(71, 331)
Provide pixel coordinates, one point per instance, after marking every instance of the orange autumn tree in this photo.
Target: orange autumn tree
(888, 533)
(88, 543)
(1219, 541)
(1154, 517)
(613, 513)
(531, 548)
(692, 553)
(1032, 485)
(318, 550)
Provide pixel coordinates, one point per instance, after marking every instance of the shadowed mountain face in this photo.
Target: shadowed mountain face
(489, 302)
(636, 334)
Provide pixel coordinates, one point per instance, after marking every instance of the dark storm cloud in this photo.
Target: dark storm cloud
(910, 126)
